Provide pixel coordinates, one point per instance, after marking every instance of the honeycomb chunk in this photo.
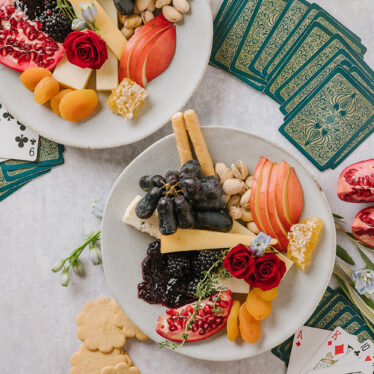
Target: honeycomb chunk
(303, 238)
(127, 98)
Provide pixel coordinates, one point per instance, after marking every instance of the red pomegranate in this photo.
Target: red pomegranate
(356, 182)
(363, 226)
(206, 323)
(23, 44)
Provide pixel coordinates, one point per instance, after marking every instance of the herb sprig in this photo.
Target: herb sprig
(206, 287)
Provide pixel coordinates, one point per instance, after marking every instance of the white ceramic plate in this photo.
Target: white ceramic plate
(124, 248)
(168, 93)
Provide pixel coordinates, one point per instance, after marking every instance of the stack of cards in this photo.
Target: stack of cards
(337, 352)
(307, 61)
(334, 313)
(23, 156)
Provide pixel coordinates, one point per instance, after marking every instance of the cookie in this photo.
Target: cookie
(121, 368)
(92, 362)
(128, 328)
(96, 326)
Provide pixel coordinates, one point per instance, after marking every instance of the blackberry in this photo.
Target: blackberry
(191, 287)
(178, 265)
(204, 261)
(55, 23)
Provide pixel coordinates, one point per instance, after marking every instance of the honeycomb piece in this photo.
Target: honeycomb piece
(303, 238)
(127, 99)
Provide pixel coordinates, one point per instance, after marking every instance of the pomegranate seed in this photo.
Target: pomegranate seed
(173, 328)
(211, 318)
(205, 325)
(207, 308)
(195, 327)
(170, 321)
(218, 303)
(170, 312)
(202, 332)
(184, 313)
(219, 320)
(214, 325)
(224, 304)
(190, 309)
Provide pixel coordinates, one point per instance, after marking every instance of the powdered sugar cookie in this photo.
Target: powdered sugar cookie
(121, 368)
(96, 326)
(92, 362)
(128, 328)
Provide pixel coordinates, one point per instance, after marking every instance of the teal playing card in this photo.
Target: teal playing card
(284, 26)
(9, 191)
(14, 175)
(330, 118)
(260, 25)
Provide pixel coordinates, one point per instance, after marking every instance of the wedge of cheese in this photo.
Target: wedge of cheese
(107, 30)
(70, 75)
(235, 285)
(107, 75)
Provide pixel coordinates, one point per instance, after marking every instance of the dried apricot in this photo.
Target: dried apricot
(258, 308)
(78, 105)
(46, 89)
(268, 295)
(31, 77)
(250, 329)
(232, 321)
(55, 101)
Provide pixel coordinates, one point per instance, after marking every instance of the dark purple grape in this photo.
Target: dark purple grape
(172, 177)
(190, 185)
(191, 169)
(147, 205)
(184, 213)
(158, 180)
(209, 220)
(167, 222)
(146, 183)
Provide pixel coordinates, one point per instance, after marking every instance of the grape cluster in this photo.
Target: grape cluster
(184, 199)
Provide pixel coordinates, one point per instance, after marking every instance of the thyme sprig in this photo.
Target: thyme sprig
(65, 7)
(206, 287)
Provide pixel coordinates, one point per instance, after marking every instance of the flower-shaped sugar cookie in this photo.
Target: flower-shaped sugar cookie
(121, 368)
(128, 328)
(92, 362)
(96, 326)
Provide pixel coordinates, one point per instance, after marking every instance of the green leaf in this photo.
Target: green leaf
(369, 264)
(344, 255)
(337, 217)
(368, 301)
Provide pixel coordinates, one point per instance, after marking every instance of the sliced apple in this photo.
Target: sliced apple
(280, 194)
(294, 198)
(266, 171)
(274, 219)
(161, 54)
(255, 193)
(144, 31)
(139, 56)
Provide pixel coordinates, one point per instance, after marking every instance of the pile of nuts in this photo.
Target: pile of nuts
(145, 10)
(236, 184)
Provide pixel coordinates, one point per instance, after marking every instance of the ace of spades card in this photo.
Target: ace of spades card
(16, 141)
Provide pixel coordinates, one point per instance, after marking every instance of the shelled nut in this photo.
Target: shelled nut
(181, 5)
(220, 169)
(246, 215)
(127, 33)
(151, 6)
(171, 14)
(233, 201)
(244, 201)
(249, 181)
(147, 16)
(251, 226)
(240, 170)
(235, 212)
(232, 186)
(161, 3)
(133, 22)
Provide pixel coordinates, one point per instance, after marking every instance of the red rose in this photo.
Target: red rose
(239, 261)
(267, 272)
(86, 49)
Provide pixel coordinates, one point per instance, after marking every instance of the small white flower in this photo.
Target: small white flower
(364, 281)
(58, 266)
(89, 12)
(78, 268)
(78, 24)
(95, 255)
(98, 208)
(65, 277)
(260, 243)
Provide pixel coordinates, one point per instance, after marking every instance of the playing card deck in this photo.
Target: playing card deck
(336, 336)
(307, 61)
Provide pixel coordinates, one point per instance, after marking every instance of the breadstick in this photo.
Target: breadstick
(198, 142)
(181, 137)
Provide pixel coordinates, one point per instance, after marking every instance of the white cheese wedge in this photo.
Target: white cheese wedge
(70, 75)
(107, 30)
(149, 225)
(235, 285)
(107, 75)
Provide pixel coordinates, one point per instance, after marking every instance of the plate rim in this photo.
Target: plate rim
(324, 199)
(20, 117)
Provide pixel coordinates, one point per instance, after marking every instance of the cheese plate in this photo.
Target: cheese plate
(123, 247)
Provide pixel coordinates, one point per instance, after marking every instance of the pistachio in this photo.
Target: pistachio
(147, 16)
(227, 174)
(151, 6)
(227, 198)
(251, 226)
(133, 22)
(142, 4)
(121, 18)
(249, 181)
(127, 33)
(232, 186)
(137, 28)
(240, 170)
(233, 201)
(181, 5)
(161, 3)
(136, 10)
(235, 212)
(220, 169)
(244, 201)
(246, 215)
(244, 187)
(171, 14)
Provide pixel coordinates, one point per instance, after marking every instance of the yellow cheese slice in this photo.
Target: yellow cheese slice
(70, 75)
(107, 75)
(107, 30)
